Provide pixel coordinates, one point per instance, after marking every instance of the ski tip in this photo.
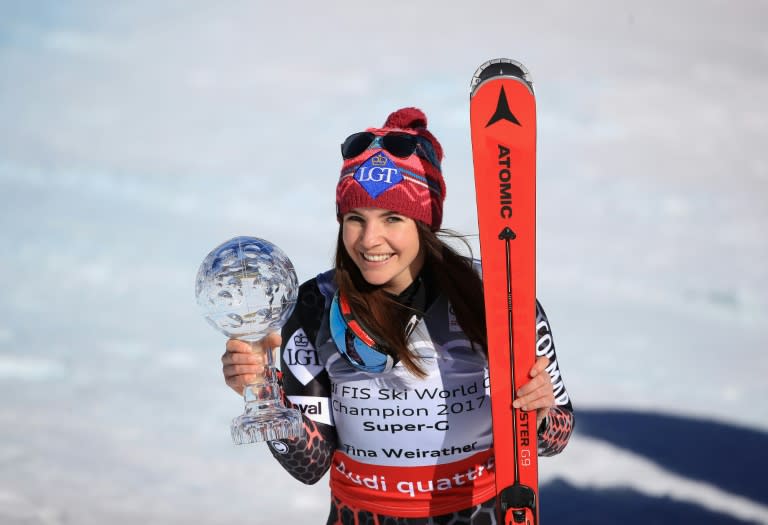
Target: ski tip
(500, 67)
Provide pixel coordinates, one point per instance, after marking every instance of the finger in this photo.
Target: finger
(241, 379)
(239, 370)
(236, 346)
(229, 358)
(540, 398)
(540, 381)
(539, 366)
(535, 389)
(243, 359)
(530, 403)
(243, 370)
(271, 340)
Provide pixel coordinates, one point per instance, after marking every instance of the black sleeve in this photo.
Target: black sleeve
(306, 386)
(557, 427)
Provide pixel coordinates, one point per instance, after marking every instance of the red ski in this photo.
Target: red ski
(503, 123)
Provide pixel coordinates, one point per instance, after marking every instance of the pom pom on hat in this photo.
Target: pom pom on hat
(406, 118)
(412, 186)
(415, 119)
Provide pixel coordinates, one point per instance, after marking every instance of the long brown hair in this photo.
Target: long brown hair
(380, 312)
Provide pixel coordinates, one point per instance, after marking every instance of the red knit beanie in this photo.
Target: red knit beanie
(412, 186)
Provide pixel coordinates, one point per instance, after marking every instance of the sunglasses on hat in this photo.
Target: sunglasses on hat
(397, 143)
(355, 343)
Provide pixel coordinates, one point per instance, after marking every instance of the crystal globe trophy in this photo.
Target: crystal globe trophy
(247, 288)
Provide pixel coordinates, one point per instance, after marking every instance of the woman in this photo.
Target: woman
(385, 354)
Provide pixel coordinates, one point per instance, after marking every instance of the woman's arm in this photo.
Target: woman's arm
(557, 426)
(306, 386)
(304, 382)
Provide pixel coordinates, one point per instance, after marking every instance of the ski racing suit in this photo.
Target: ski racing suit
(401, 449)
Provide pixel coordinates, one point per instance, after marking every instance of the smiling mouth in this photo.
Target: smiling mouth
(376, 257)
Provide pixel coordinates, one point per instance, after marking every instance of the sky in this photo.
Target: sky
(134, 138)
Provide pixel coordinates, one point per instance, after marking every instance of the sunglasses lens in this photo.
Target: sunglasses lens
(356, 352)
(356, 144)
(399, 144)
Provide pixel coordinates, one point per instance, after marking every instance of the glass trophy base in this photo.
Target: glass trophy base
(266, 425)
(265, 417)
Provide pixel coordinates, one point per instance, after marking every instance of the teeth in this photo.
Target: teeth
(376, 257)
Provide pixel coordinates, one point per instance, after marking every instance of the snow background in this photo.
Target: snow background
(136, 137)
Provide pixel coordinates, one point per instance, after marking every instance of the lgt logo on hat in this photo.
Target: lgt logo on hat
(377, 174)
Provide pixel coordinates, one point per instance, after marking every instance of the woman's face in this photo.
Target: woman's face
(384, 245)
